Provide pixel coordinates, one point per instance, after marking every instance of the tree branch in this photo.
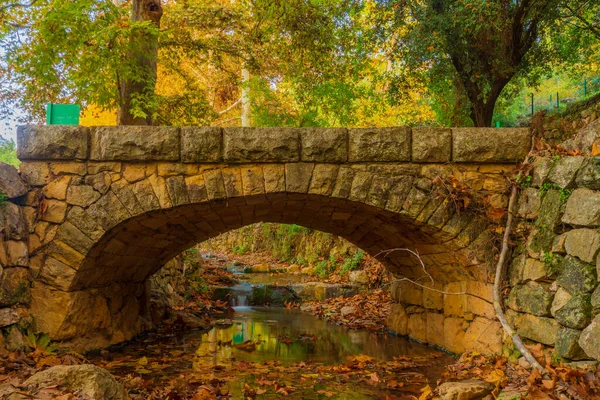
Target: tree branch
(13, 5)
(499, 276)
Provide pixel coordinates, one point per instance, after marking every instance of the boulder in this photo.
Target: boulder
(359, 277)
(11, 183)
(8, 316)
(590, 339)
(465, 390)
(86, 381)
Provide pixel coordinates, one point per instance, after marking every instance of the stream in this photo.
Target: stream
(262, 346)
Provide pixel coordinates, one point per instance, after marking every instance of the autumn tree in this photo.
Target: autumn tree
(476, 46)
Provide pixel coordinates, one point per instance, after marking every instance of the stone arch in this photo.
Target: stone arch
(104, 251)
(120, 202)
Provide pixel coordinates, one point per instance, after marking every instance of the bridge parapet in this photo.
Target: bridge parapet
(268, 145)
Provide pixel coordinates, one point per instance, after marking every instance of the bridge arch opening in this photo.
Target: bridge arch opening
(103, 297)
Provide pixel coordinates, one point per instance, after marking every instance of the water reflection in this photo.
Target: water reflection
(263, 334)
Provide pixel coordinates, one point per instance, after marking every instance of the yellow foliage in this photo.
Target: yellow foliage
(94, 116)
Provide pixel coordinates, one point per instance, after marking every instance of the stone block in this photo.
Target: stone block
(298, 176)
(134, 143)
(274, 178)
(323, 179)
(242, 145)
(454, 334)
(490, 144)
(201, 144)
(431, 145)
(583, 243)
(532, 298)
(14, 287)
(11, 183)
(589, 174)
(583, 208)
(379, 144)
(328, 145)
(68, 168)
(397, 320)
(417, 326)
(550, 210)
(215, 186)
(565, 170)
(577, 276)
(177, 190)
(590, 339)
(36, 173)
(55, 211)
(576, 313)
(541, 169)
(567, 345)
(476, 305)
(484, 336)
(539, 329)
(52, 142)
(455, 299)
(435, 329)
(529, 203)
(433, 299)
(145, 195)
(57, 189)
(18, 255)
(82, 195)
(406, 292)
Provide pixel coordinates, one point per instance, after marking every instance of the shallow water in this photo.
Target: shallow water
(279, 339)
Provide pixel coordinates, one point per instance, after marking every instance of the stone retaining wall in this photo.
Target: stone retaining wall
(555, 297)
(16, 224)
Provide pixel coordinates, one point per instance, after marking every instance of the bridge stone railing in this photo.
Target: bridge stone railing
(258, 145)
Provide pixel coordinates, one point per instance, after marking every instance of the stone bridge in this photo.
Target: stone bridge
(108, 206)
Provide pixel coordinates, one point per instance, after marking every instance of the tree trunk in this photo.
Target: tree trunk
(144, 52)
(245, 97)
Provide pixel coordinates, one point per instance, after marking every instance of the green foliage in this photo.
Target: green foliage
(466, 53)
(38, 341)
(524, 181)
(8, 152)
(352, 263)
(551, 262)
(564, 193)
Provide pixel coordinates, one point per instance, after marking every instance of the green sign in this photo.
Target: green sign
(62, 114)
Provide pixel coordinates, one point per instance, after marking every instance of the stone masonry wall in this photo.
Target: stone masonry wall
(555, 296)
(110, 205)
(16, 224)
